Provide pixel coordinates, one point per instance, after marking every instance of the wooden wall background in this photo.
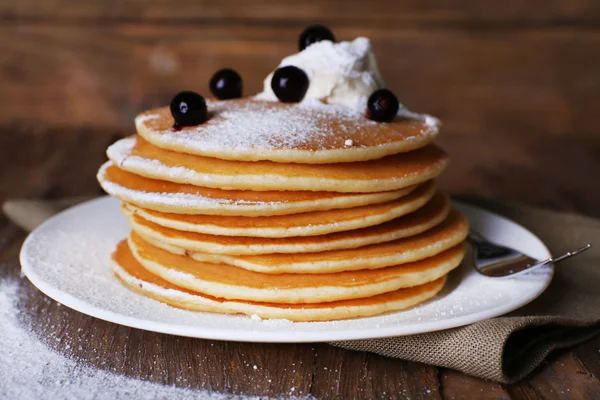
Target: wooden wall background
(516, 83)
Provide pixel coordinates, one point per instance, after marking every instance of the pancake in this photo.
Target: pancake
(427, 244)
(140, 280)
(307, 133)
(390, 173)
(305, 224)
(244, 245)
(224, 281)
(417, 222)
(171, 197)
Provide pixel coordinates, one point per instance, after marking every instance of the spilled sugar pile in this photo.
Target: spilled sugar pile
(31, 370)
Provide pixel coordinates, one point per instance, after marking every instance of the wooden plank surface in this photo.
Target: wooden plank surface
(501, 84)
(59, 163)
(342, 11)
(515, 83)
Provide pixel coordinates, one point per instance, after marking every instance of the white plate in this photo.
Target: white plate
(67, 258)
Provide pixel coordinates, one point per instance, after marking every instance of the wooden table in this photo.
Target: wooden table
(53, 164)
(515, 83)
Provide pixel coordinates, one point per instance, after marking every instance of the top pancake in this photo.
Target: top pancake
(309, 132)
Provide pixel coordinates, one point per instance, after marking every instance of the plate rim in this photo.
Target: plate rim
(274, 336)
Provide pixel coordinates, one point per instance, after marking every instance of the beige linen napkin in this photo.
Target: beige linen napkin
(504, 349)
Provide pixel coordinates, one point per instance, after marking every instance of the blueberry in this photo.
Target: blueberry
(382, 106)
(226, 84)
(289, 84)
(313, 34)
(188, 109)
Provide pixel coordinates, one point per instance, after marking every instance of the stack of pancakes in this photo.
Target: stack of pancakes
(307, 212)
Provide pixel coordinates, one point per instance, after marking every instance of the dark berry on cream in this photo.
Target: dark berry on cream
(313, 34)
(382, 106)
(289, 84)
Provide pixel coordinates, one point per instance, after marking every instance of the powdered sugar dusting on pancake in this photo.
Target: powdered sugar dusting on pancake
(169, 199)
(258, 124)
(249, 126)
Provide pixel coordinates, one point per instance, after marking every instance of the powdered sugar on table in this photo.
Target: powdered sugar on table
(35, 371)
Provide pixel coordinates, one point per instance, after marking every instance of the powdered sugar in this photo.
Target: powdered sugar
(144, 118)
(121, 154)
(429, 120)
(185, 200)
(256, 125)
(31, 370)
(121, 149)
(256, 130)
(169, 199)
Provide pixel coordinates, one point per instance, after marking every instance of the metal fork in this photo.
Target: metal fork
(497, 261)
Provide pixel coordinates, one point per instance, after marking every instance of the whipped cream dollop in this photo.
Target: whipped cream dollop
(343, 73)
